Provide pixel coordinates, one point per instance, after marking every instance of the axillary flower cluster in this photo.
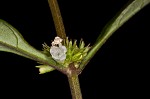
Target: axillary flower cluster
(64, 52)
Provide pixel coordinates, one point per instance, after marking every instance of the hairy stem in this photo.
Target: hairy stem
(60, 30)
(75, 86)
(72, 74)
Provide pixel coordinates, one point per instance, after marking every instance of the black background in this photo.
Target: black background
(118, 70)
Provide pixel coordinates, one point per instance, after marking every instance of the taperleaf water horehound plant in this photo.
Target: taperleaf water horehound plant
(64, 54)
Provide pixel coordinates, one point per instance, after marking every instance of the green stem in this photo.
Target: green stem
(60, 30)
(75, 86)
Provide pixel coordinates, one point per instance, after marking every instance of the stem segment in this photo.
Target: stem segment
(73, 75)
(75, 86)
(60, 30)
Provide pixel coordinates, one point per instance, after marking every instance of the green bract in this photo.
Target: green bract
(75, 54)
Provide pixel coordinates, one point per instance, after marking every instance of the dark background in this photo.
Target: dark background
(118, 70)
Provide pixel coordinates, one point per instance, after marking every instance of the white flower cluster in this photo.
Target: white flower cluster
(57, 50)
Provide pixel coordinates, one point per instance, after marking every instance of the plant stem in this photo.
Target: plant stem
(75, 86)
(60, 30)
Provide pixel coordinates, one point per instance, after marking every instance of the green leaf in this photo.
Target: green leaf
(12, 41)
(124, 15)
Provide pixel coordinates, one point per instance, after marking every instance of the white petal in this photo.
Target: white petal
(64, 49)
(63, 57)
(58, 53)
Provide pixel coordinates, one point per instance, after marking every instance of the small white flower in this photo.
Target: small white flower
(57, 50)
(57, 41)
(58, 53)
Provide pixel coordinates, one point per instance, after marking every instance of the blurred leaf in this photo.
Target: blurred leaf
(123, 15)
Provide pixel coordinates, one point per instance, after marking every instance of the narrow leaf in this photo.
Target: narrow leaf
(124, 15)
